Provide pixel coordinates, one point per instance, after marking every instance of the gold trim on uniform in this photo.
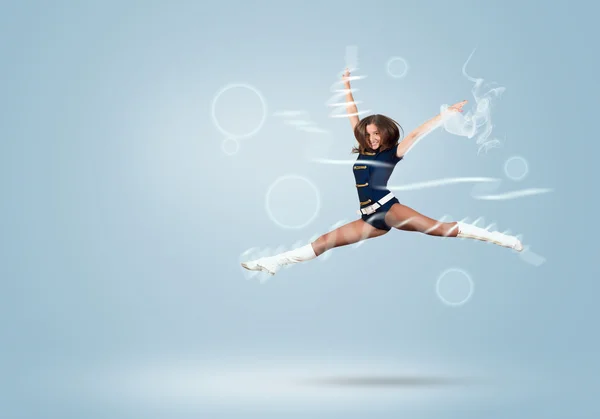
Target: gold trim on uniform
(363, 185)
(368, 153)
(359, 167)
(368, 201)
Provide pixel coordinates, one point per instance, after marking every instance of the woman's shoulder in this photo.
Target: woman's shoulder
(391, 150)
(390, 155)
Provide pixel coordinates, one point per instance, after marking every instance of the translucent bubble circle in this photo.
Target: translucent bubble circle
(230, 146)
(282, 188)
(397, 67)
(237, 86)
(516, 168)
(454, 287)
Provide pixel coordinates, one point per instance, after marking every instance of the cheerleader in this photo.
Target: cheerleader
(379, 150)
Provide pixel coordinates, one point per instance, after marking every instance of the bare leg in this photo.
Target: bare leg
(347, 234)
(405, 218)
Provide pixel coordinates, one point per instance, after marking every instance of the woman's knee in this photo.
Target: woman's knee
(328, 241)
(345, 235)
(321, 245)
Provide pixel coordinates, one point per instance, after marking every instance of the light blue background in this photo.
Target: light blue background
(123, 221)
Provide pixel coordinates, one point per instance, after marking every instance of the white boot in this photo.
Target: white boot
(477, 233)
(272, 264)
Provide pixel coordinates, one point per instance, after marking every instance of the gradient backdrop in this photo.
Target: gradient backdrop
(147, 145)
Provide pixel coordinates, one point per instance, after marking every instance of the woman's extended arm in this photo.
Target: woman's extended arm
(350, 104)
(424, 129)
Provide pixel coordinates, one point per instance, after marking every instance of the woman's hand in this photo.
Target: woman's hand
(413, 137)
(457, 107)
(350, 103)
(346, 77)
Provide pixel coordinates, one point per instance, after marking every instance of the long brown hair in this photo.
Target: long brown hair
(389, 130)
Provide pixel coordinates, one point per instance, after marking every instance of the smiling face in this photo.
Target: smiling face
(376, 133)
(373, 136)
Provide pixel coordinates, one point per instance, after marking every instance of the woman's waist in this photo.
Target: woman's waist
(368, 197)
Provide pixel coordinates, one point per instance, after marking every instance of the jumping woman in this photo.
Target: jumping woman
(379, 150)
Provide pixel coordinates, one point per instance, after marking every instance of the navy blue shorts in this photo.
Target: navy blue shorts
(377, 219)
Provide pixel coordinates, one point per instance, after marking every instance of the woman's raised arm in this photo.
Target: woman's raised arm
(414, 136)
(350, 104)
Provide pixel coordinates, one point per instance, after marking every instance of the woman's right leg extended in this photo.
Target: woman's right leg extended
(347, 234)
(405, 218)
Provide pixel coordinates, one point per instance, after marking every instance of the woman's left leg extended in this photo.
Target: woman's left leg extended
(405, 218)
(349, 233)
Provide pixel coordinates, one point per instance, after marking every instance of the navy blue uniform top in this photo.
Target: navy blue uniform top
(372, 171)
